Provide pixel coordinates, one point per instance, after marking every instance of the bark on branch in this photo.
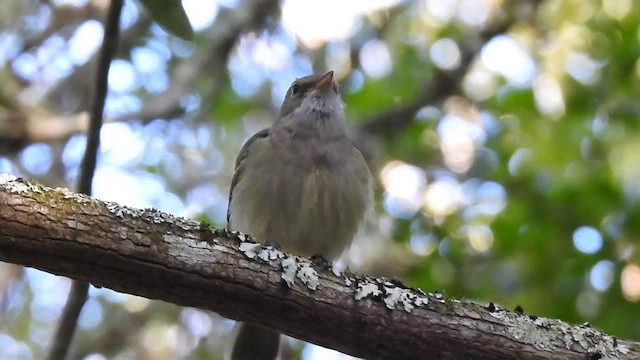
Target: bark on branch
(158, 256)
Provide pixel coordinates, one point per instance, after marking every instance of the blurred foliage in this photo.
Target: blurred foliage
(521, 186)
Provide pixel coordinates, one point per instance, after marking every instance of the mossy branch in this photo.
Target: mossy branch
(159, 256)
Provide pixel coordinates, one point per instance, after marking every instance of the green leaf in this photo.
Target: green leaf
(170, 15)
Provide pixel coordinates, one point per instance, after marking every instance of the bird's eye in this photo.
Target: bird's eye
(295, 89)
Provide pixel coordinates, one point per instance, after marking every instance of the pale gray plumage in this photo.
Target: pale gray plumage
(301, 184)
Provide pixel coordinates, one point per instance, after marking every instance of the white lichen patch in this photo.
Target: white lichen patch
(250, 249)
(404, 297)
(20, 186)
(151, 216)
(269, 253)
(5, 178)
(366, 290)
(241, 236)
(120, 211)
(421, 300)
(159, 217)
(391, 294)
(336, 271)
(308, 275)
(254, 250)
(17, 185)
(392, 297)
(292, 266)
(76, 197)
(623, 349)
(234, 235)
(543, 332)
(289, 269)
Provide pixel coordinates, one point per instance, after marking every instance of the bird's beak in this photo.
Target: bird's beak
(325, 81)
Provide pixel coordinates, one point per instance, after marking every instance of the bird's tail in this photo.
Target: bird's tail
(253, 342)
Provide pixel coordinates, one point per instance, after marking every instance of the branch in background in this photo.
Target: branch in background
(213, 55)
(107, 52)
(23, 124)
(79, 85)
(64, 20)
(441, 86)
(79, 290)
(210, 58)
(158, 256)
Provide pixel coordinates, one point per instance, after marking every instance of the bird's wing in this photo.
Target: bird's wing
(240, 160)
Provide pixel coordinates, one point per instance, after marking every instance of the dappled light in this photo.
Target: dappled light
(630, 282)
(505, 56)
(617, 10)
(548, 95)
(442, 198)
(602, 275)
(308, 20)
(403, 185)
(480, 238)
(624, 159)
(587, 240)
(375, 59)
(36, 158)
(445, 54)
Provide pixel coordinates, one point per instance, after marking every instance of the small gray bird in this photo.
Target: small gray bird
(301, 184)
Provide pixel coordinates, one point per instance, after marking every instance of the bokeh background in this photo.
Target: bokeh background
(504, 137)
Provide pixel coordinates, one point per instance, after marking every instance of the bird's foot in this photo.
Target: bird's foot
(321, 262)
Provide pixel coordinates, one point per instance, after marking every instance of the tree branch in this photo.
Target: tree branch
(439, 86)
(79, 290)
(156, 255)
(210, 58)
(107, 51)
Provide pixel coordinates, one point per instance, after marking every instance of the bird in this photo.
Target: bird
(301, 184)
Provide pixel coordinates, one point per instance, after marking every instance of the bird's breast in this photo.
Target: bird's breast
(311, 204)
